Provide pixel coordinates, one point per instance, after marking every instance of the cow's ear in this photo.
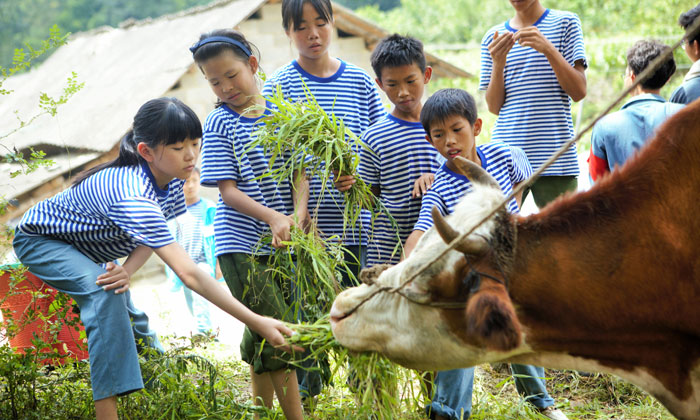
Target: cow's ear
(369, 275)
(491, 318)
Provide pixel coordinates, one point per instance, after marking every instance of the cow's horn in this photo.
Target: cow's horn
(449, 234)
(475, 173)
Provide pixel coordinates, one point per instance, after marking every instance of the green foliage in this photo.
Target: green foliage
(308, 140)
(466, 21)
(381, 4)
(23, 21)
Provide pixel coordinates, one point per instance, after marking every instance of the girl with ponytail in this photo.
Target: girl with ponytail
(119, 209)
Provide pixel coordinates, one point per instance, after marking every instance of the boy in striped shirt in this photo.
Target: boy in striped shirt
(397, 153)
(530, 66)
(450, 121)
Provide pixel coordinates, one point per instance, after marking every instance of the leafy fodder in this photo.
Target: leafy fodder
(380, 389)
(302, 138)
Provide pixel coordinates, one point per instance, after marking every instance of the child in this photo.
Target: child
(619, 135)
(194, 231)
(250, 206)
(341, 89)
(397, 153)
(530, 66)
(450, 121)
(115, 210)
(690, 89)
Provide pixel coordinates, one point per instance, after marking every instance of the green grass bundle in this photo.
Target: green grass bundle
(381, 388)
(308, 139)
(312, 265)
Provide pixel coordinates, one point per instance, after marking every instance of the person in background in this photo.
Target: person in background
(341, 89)
(194, 231)
(690, 89)
(397, 154)
(531, 67)
(619, 135)
(450, 120)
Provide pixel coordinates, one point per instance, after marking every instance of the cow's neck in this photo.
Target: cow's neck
(594, 276)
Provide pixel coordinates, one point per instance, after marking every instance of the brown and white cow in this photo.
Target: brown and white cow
(605, 280)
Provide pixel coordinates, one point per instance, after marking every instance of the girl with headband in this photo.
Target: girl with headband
(249, 207)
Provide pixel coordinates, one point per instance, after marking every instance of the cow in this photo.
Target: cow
(605, 280)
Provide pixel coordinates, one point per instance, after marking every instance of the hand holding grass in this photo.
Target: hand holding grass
(280, 226)
(274, 331)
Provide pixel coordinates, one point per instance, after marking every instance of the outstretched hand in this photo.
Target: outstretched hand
(274, 331)
(116, 277)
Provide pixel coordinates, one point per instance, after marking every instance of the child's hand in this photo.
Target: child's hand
(273, 331)
(343, 183)
(499, 48)
(533, 38)
(422, 185)
(116, 277)
(280, 226)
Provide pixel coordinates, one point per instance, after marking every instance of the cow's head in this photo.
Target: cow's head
(455, 311)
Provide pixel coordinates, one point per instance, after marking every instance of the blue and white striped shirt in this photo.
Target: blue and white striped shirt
(506, 163)
(352, 96)
(536, 112)
(110, 213)
(226, 137)
(397, 155)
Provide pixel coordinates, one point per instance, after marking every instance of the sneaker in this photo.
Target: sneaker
(553, 413)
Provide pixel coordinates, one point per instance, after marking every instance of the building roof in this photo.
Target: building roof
(121, 69)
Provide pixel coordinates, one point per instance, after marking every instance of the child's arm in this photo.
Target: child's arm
(496, 91)
(571, 79)
(411, 242)
(119, 276)
(177, 259)
(280, 224)
(300, 197)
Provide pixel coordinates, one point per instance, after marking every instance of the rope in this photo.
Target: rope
(692, 31)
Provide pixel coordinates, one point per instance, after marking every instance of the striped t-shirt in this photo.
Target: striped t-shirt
(536, 112)
(225, 156)
(351, 95)
(110, 213)
(397, 155)
(507, 164)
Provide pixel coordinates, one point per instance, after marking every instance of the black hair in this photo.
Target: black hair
(445, 103)
(161, 121)
(686, 20)
(396, 50)
(644, 52)
(293, 12)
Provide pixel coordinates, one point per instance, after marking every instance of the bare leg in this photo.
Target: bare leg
(106, 408)
(263, 391)
(287, 390)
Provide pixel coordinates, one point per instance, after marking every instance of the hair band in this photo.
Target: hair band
(225, 39)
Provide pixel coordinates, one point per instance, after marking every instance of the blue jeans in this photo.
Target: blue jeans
(112, 323)
(453, 390)
(529, 381)
(452, 394)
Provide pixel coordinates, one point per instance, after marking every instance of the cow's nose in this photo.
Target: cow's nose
(336, 314)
